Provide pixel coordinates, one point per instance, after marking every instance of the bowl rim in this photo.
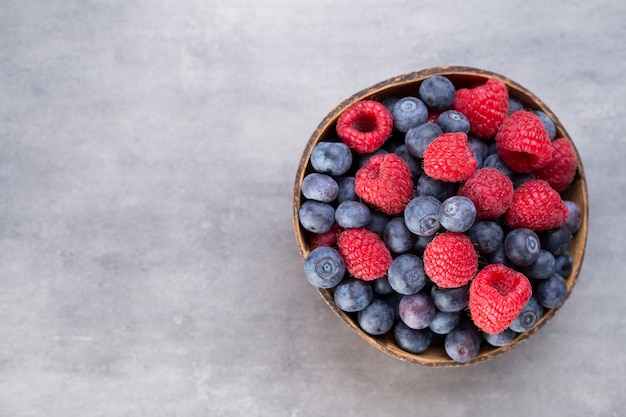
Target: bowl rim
(469, 76)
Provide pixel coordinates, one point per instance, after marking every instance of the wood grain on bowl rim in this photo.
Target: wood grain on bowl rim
(406, 85)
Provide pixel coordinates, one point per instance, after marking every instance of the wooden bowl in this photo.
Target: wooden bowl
(407, 85)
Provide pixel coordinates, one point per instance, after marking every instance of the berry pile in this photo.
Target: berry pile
(438, 220)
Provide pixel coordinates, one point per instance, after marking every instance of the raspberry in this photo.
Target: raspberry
(496, 297)
(485, 106)
(536, 206)
(365, 126)
(560, 171)
(450, 260)
(449, 158)
(385, 182)
(523, 142)
(328, 238)
(490, 190)
(364, 253)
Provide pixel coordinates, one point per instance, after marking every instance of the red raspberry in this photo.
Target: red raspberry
(490, 190)
(496, 297)
(328, 238)
(523, 142)
(385, 182)
(536, 206)
(449, 158)
(365, 126)
(364, 253)
(561, 169)
(450, 260)
(484, 106)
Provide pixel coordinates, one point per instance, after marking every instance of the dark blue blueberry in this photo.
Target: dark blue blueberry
(444, 322)
(520, 178)
(418, 138)
(552, 292)
(462, 344)
(557, 241)
(352, 214)
(547, 123)
(500, 339)
(324, 267)
(479, 147)
(514, 105)
(457, 214)
(522, 246)
(542, 268)
(574, 216)
(453, 121)
(377, 223)
(332, 158)
(421, 215)
(406, 274)
(409, 112)
(392, 144)
(494, 161)
(353, 295)
(393, 301)
(316, 217)
(346, 189)
(437, 92)
(366, 157)
(415, 166)
(320, 187)
(422, 242)
(397, 237)
(528, 317)
(499, 257)
(450, 299)
(377, 318)
(389, 102)
(381, 286)
(487, 236)
(564, 264)
(417, 310)
(412, 340)
(435, 188)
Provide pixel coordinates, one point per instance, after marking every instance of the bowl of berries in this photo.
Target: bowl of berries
(442, 214)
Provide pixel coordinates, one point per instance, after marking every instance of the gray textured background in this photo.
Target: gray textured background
(148, 150)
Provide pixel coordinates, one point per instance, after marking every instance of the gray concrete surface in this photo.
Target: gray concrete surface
(147, 259)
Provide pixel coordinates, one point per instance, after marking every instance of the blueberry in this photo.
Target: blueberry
(528, 317)
(393, 301)
(418, 138)
(450, 299)
(397, 237)
(520, 178)
(352, 214)
(435, 188)
(462, 344)
(377, 223)
(421, 215)
(574, 216)
(499, 257)
(333, 158)
(353, 295)
(366, 157)
(500, 339)
(412, 340)
(522, 246)
(409, 112)
(479, 147)
(453, 121)
(552, 292)
(487, 236)
(421, 242)
(437, 92)
(381, 286)
(494, 161)
(417, 310)
(444, 322)
(547, 123)
(346, 189)
(320, 187)
(542, 268)
(316, 217)
(377, 318)
(457, 214)
(415, 166)
(406, 274)
(514, 105)
(564, 264)
(557, 241)
(324, 267)
(389, 102)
